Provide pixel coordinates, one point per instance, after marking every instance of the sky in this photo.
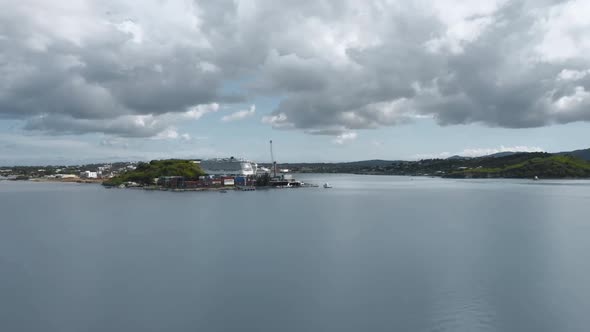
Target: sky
(327, 80)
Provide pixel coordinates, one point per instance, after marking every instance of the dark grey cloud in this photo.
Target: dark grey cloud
(143, 126)
(124, 68)
(133, 126)
(87, 71)
(498, 67)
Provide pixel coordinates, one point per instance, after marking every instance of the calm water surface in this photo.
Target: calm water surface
(372, 254)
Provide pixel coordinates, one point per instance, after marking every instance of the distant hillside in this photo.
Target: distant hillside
(526, 166)
(582, 154)
(361, 163)
(363, 166)
(371, 163)
(493, 155)
(457, 157)
(508, 165)
(501, 154)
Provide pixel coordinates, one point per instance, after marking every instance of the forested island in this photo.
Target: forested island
(145, 173)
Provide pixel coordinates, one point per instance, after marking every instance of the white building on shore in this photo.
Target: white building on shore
(89, 175)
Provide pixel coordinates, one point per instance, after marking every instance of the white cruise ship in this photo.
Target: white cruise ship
(228, 166)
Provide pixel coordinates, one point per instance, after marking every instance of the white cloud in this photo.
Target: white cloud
(196, 112)
(240, 115)
(277, 121)
(31, 149)
(159, 126)
(458, 35)
(172, 133)
(572, 75)
(345, 138)
(441, 155)
(350, 64)
(478, 152)
(168, 133)
(208, 66)
(564, 30)
(572, 102)
(132, 29)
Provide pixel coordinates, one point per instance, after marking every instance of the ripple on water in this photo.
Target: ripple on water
(463, 314)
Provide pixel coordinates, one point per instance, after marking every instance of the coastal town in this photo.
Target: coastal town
(219, 174)
(82, 173)
(242, 174)
(176, 175)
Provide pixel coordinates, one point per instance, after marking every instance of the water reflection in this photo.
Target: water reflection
(373, 253)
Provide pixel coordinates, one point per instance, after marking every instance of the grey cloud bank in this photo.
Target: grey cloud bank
(132, 69)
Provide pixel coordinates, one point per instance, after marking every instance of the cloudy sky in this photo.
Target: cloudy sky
(93, 80)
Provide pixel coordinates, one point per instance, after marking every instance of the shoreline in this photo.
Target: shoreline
(178, 189)
(232, 188)
(451, 177)
(75, 180)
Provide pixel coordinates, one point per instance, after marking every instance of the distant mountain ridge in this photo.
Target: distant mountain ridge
(506, 164)
(457, 157)
(493, 155)
(582, 154)
(360, 163)
(501, 154)
(521, 165)
(366, 166)
(373, 162)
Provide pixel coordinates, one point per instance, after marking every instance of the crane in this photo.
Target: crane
(272, 160)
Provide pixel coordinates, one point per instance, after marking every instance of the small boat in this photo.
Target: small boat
(536, 178)
(327, 185)
(223, 191)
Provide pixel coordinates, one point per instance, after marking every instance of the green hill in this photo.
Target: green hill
(503, 165)
(527, 166)
(146, 172)
(582, 154)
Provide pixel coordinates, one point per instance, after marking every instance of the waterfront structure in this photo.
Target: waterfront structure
(171, 181)
(229, 166)
(66, 176)
(89, 175)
